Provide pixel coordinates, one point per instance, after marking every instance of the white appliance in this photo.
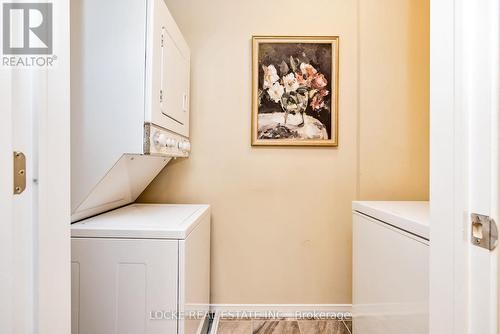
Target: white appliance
(390, 267)
(129, 100)
(134, 269)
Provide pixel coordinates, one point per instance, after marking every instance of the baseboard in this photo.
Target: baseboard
(341, 311)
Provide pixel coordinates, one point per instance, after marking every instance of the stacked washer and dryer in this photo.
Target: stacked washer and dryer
(136, 268)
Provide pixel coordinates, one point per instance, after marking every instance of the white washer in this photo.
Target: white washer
(390, 267)
(135, 268)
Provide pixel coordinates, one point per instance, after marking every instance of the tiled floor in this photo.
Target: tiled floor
(286, 326)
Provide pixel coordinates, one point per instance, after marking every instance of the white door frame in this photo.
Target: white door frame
(464, 119)
(54, 243)
(6, 206)
(447, 309)
(45, 95)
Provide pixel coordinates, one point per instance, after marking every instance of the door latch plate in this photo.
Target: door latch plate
(484, 232)
(19, 172)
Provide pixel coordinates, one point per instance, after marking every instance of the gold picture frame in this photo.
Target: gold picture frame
(295, 101)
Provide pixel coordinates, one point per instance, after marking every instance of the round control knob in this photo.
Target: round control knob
(172, 143)
(187, 146)
(160, 139)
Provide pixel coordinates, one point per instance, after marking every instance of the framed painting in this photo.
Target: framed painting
(295, 91)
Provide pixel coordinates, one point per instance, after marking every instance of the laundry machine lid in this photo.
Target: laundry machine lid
(409, 216)
(143, 221)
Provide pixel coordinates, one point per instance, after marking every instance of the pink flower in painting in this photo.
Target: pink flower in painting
(307, 70)
(300, 79)
(318, 101)
(319, 81)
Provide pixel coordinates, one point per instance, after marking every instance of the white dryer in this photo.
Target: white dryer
(130, 69)
(141, 269)
(390, 267)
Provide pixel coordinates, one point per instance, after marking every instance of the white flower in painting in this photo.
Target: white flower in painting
(290, 82)
(276, 92)
(270, 76)
(307, 69)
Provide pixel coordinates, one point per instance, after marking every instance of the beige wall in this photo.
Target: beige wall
(394, 99)
(281, 217)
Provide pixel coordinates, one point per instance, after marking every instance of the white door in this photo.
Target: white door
(480, 82)
(464, 164)
(34, 223)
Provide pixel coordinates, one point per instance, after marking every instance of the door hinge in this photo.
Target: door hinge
(161, 95)
(19, 172)
(484, 232)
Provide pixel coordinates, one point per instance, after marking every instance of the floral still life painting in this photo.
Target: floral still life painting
(295, 91)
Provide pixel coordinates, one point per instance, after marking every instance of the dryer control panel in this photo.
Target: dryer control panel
(158, 141)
